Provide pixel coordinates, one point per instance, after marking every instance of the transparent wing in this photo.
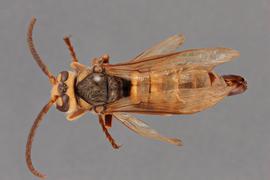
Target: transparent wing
(205, 58)
(143, 129)
(172, 92)
(169, 45)
(184, 101)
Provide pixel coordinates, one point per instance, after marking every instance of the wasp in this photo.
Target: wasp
(159, 81)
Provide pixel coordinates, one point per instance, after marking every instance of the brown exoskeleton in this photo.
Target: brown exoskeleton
(159, 81)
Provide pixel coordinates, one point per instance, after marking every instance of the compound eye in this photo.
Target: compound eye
(65, 103)
(64, 76)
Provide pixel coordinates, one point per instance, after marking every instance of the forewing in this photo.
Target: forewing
(169, 45)
(184, 101)
(205, 58)
(143, 129)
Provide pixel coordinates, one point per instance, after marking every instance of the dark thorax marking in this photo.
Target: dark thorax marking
(100, 89)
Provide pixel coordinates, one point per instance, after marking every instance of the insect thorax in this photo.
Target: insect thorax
(101, 88)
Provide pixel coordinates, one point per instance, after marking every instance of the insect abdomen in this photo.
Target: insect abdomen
(146, 85)
(176, 91)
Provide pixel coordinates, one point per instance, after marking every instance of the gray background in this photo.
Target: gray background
(227, 142)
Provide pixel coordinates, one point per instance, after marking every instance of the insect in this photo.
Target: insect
(159, 81)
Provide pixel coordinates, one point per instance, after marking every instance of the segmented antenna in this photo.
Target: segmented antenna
(31, 136)
(35, 54)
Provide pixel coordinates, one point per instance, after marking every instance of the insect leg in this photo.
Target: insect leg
(71, 49)
(105, 130)
(75, 63)
(77, 66)
(108, 121)
(76, 114)
(105, 58)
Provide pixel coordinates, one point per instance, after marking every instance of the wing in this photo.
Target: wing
(206, 58)
(169, 45)
(143, 129)
(172, 92)
(184, 101)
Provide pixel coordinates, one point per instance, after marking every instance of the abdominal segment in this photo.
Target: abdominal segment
(177, 91)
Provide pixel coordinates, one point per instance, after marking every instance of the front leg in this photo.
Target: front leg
(78, 67)
(71, 49)
(75, 63)
(76, 114)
